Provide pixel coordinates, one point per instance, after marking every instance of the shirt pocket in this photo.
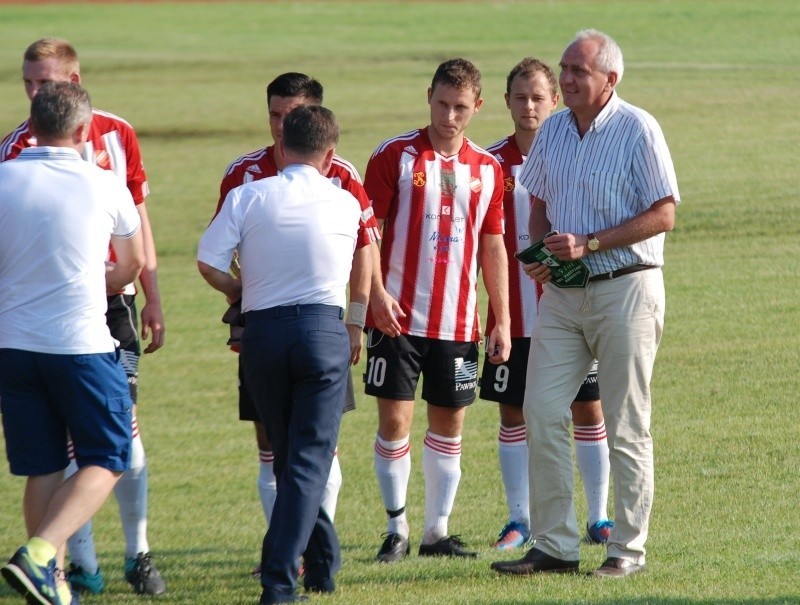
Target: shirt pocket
(606, 191)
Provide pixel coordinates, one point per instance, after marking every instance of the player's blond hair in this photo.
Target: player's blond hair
(49, 48)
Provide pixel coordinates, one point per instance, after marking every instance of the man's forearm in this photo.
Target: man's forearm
(221, 281)
(361, 274)
(659, 218)
(538, 224)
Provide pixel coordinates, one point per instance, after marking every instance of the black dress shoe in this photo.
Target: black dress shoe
(394, 548)
(535, 561)
(614, 567)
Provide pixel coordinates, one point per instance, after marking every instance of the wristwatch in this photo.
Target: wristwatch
(593, 243)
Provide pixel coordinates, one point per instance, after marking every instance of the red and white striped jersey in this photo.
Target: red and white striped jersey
(112, 145)
(434, 210)
(261, 164)
(522, 290)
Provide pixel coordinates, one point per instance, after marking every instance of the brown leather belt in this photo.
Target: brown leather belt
(620, 272)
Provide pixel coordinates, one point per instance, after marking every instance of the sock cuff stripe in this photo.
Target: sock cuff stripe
(511, 436)
(266, 456)
(391, 454)
(447, 448)
(591, 434)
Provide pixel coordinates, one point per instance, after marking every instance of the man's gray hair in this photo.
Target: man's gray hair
(59, 108)
(610, 56)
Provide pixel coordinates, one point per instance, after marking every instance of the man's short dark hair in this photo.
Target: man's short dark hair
(309, 130)
(459, 73)
(294, 84)
(527, 68)
(59, 108)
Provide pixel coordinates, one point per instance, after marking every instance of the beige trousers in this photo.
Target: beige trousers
(618, 322)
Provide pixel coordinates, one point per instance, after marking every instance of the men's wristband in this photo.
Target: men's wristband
(356, 314)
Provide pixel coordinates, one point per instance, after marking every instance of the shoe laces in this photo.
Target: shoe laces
(59, 576)
(144, 565)
(391, 535)
(509, 527)
(455, 539)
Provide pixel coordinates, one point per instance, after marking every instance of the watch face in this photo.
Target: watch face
(594, 244)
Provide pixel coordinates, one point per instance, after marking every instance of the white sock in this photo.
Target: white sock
(131, 493)
(267, 484)
(332, 487)
(591, 451)
(441, 465)
(80, 545)
(393, 469)
(512, 451)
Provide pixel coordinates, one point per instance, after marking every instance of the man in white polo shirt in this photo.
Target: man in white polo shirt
(296, 234)
(601, 176)
(59, 364)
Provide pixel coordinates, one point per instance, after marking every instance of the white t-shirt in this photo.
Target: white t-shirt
(296, 233)
(57, 215)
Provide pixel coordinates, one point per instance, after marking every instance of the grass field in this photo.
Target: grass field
(721, 77)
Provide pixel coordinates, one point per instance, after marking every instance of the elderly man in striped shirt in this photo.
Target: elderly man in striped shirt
(602, 179)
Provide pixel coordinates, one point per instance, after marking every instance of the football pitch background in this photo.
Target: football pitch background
(722, 78)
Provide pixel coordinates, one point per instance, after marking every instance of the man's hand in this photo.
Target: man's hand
(498, 347)
(537, 271)
(385, 311)
(567, 246)
(355, 333)
(153, 323)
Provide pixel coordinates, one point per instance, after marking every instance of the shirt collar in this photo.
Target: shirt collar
(62, 152)
(605, 114)
(602, 118)
(304, 168)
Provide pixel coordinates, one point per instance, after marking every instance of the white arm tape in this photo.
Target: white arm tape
(356, 314)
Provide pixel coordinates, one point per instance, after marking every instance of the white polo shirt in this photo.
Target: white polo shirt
(619, 168)
(57, 215)
(296, 233)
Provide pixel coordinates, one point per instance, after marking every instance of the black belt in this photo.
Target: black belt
(620, 272)
(294, 311)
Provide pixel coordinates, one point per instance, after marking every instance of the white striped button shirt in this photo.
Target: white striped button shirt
(619, 168)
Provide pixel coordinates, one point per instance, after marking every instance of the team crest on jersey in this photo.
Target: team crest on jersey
(419, 179)
(508, 183)
(466, 374)
(475, 185)
(101, 159)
